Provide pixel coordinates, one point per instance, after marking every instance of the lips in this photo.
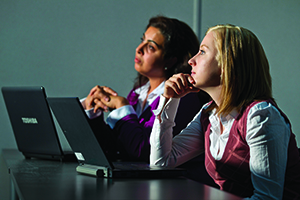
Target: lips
(137, 60)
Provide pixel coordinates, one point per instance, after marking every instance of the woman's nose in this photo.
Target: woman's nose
(191, 62)
(140, 49)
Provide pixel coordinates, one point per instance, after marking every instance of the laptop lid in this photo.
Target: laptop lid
(75, 125)
(32, 122)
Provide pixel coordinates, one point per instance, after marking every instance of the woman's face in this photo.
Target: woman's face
(149, 55)
(205, 69)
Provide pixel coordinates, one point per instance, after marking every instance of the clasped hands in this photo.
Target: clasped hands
(104, 98)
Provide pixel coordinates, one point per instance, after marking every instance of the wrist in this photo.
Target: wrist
(122, 103)
(88, 106)
(166, 97)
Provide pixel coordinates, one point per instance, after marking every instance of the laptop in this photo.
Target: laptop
(92, 158)
(33, 125)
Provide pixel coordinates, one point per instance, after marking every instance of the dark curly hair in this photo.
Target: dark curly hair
(180, 42)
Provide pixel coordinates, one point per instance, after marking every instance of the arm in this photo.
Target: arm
(188, 107)
(169, 151)
(268, 137)
(188, 143)
(134, 132)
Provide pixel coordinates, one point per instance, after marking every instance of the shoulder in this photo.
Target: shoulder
(266, 122)
(265, 113)
(262, 107)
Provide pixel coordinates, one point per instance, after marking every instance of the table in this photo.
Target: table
(44, 179)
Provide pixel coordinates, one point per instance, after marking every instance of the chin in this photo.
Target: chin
(137, 67)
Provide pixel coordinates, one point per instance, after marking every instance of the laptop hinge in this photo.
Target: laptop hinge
(94, 170)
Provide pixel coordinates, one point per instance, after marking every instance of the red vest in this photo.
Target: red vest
(232, 172)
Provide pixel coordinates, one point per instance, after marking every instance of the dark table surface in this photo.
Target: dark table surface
(44, 179)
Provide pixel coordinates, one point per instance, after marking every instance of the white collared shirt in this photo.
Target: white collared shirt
(142, 91)
(219, 141)
(267, 136)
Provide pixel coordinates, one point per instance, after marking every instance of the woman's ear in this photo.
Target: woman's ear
(170, 62)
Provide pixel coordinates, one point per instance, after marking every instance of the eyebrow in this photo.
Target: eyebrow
(203, 45)
(158, 45)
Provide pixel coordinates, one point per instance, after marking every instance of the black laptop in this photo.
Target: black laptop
(93, 160)
(32, 123)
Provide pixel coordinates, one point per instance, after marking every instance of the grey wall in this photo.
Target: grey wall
(70, 46)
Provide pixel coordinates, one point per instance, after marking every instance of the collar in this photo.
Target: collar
(224, 119)
(142, 91)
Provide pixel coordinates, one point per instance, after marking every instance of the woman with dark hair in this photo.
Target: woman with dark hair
(165, 48)
(247, 140)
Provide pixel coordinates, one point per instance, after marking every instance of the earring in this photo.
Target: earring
(166, 68)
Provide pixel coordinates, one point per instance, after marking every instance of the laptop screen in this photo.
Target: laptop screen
(75, 125)
(31, 121)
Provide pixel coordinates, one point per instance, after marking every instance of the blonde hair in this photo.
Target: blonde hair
(245, 68)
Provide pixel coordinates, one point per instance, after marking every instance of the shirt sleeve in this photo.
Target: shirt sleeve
(268, 137)
(169, 151)
(90, 113)
(118, 114)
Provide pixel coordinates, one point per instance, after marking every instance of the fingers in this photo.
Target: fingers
(93, 90)
(98, 104)
(98, 96)
(179, 85)
(102, 92)
(191, 83)
(89, 101)
(190, 80)
(115, 102)
(109, 91)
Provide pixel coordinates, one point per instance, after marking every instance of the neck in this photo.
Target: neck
(154, 83)
(215, 94)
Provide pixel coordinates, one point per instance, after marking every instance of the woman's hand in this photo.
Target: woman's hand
(179, 85)
(115, 102)
(97, 96)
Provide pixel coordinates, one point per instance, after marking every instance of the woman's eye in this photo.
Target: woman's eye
(150, 47)
(148, 44)
(202, 52)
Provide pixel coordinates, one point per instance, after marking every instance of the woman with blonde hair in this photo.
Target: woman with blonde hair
(247, 140)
